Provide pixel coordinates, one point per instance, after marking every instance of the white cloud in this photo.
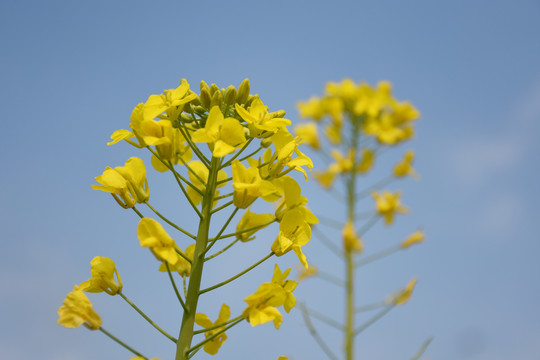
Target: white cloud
(501, 215)
(478, 159)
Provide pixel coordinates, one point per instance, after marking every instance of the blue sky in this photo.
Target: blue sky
(72, 72)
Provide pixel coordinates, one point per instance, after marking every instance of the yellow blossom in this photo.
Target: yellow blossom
(306, 273)
(248, 185)
(333, 133)
(404, 167)
(202, 174)
(415, 238)
(172, 98)
(282, 358)
(351, 241)
(153, 236)
(405, 295)
(365, 164)
(294, 232)
(263, 303)
(259, 120)
(212, 346)
(77, 310)
(387, 204)
(182, 266)
(309, 134)
(223, 135)
(312, 108)
(127, 184)
(103, 270)
(252, 221)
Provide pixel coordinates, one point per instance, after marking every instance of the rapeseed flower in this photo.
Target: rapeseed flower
(248, 185)
(252, 221)
(153, 236)
(127, 184)
(76, 310)
(212, 346)
(182, 266)
(415, 238)
(103, 270)
(387, 204)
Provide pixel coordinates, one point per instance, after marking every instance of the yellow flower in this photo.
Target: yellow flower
(404, 167)
(333, 133)
(262, 304)
(387, 204)
(405, 295)
(127, 184)
(306, 273)
(280, 278)
(312, 108)
(251, 220)
(415, 238)
(223, 135)
(170, 99)
(201, 319)
(294, 233)
(292, 199)
(153, 236)
(259, 119)
(368, 157)
(282, 358)
(202, 174)
(309, 134)
(248, 185)
(351, 241)
(182, 266)
(77, 310)
(102, 269)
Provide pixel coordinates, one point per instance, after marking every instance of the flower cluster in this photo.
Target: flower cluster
(225, 150)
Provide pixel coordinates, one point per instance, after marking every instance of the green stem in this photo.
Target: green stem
(170, 222)
(222, 207)
(325, 319)
(193, 206)
(370, 306)
(377, 256)
(373, 319)
(330, 278)
(213, 241)
(194, 147)
(244, 231)
(121, 343)
(349, 260)
(210, 338)
(250, 155)
(146, 317)
(174, 287)
(137, 212)
(229, 162)
(327, 242)
(218, 325)
(169, 165)
(316, 335)
(224, 196)
(422, 349)
(193, 292)
(222, 250)
(237, 275)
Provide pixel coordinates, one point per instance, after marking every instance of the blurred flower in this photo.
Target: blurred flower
(351, 241)
(415, 238)
(387, 204)
(404, 167)
(405, 295)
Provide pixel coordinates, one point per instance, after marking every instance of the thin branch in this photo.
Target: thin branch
(175, 288)
(222, 207)
(329, 244)
(229, 162)
(315, 335)
(222, 250)
(213, 241)
(378, 255)
(237, 275)
(373, 319)
(217, 326)
(170, 222)
(121, 343)
(210, 338)
(325, 319)
(422, 349)
(147, 318)
(244, 230)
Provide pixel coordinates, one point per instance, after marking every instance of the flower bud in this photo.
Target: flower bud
(204, 85)
(230, 95)
(217, 99)
(243, 92)
(213, 89)
(205, 98)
